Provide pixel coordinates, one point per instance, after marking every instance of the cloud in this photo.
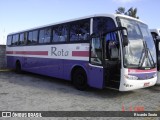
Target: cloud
(125, 1)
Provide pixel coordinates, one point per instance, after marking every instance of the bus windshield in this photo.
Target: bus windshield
(140, 51)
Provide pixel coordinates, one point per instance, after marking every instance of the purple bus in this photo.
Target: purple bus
(100, 51)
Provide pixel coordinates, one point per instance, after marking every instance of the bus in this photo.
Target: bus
(156, 37)
(100, 51)
(155, 33)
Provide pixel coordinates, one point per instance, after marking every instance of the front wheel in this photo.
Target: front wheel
(80, 79)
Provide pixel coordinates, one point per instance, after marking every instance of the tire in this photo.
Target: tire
(79, 79)
(18, 68)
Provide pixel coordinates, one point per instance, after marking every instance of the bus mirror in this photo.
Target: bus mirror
(125, 40)
(158, 37)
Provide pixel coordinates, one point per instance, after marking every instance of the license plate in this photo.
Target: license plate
(146, 84)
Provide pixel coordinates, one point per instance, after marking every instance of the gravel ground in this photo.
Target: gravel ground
(30, 92)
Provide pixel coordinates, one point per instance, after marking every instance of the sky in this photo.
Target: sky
(17, 15)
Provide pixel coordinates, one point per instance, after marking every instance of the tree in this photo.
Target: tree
(121, 10)
(132, 12)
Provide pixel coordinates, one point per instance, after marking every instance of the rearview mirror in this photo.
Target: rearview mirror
(158, 38)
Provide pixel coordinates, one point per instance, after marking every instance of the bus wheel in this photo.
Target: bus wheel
(18, 68)
(79, 79)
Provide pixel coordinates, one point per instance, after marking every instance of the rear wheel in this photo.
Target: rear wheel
(79, 79)
(18, 68)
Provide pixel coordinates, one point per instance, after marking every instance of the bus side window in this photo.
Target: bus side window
(74, 30)
(64, 33)
(29, 38)
(80, 30)
(15, 40)
(112, 46)
(21, 39)
(96, 51)
(34, 37)
(41, 36)
(84, 30)
(55, 34)
(47, 35)
(9, 40)
(60, 33)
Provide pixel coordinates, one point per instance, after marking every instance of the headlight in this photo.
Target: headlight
(131, 77)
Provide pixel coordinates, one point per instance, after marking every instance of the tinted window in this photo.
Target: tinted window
(102, 24)
(80, 30)
(32, 37)
(41, 36)
(9, 40)
(60, 33)
(74, 32)
(45, 35)
(29, 38)
(21, 39)
(15, 39)
(96, 51)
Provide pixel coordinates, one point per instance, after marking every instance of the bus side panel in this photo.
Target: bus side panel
(94, 74)
(58, 68)
(11, 61)
(45, 66)
(69, 66)
(96, 78)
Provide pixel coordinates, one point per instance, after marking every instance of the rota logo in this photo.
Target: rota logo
(56, 52)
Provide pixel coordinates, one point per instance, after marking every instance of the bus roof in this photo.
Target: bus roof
(81, 18)
(155, 30)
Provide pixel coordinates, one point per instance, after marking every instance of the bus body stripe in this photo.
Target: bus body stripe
(141, 71)
(80, 53)
(45, 53)
(28, 52)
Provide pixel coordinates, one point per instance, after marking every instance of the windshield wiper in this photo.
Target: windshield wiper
(145, 55)
(153, 63)
(142, 58)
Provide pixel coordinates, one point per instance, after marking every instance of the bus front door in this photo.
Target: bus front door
(112, 60)
(96, 71)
